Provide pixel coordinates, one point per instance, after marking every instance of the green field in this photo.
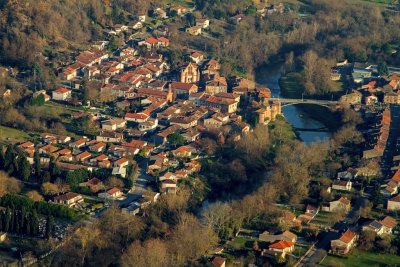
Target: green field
(362, 259)
(322, 219)
(240, 242)
(291, 85)
(11, 133)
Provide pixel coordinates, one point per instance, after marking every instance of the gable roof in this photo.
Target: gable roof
(66, 197)
(389, 222)
(218, 261)
(395, 199)
(121, 161)
(347, 236)
(396, 176)
(93, 181)
(281, 244)
(114, 190)
(151, 40)
(62, 90)
(289, 234)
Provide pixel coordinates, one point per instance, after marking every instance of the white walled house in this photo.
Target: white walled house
(62, 94)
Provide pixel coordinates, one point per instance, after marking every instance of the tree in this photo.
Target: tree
(337, 216)
(49, 189)
(76, 177)
(190, 239)
(114, 182)
(24, 167)
(9, 158)
(86, 238)
(34, 195)
(49, 226)
(2, 158)
(176, 139)
(133, 170)
(366, 241)
(255, 245)
(53, 168)
(37, 166)
(153, 252)
(8, 185)
(383, 69)
(310, 61)
(369, 170)
(219, 216)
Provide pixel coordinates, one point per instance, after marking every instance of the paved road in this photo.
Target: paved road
(144, 180)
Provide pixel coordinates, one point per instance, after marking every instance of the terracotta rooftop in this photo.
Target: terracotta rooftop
(389, 222)
(347, 236)
(112, 191)
(281, 244)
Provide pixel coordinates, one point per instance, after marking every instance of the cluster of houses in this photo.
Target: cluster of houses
(371, 88)
(151, 102)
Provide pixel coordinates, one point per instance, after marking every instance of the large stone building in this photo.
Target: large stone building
(189, 73)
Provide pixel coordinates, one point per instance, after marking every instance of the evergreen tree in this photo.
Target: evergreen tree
(46, 177)
(383, 69)
(22, 220)
(1, 221)
(9, 157)
(11, 225)
(49, 226)
(34, 224)
(36, 164)
(24, 168)
(2, 158)
(53, 169)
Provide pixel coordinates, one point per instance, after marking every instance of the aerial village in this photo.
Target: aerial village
(151, 135)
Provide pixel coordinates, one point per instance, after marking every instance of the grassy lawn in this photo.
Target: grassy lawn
(291, 85)
(11, 133)
(322, 219)
(362, 259)
(300, 250)
(245, 243)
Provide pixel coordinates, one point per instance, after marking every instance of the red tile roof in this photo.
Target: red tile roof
(151, 40)
(121, 161)
(389, 222)
(282, 244)
(136, 116)
(163, 40)
(347, 236)
(114, 190)
(62, 90)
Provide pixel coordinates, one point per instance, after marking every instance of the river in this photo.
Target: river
(296, 115)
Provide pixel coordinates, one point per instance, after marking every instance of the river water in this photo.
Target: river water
(297, 116)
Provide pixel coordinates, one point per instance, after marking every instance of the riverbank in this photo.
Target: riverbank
(291, 85)
(299, 116)
(327, 117)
